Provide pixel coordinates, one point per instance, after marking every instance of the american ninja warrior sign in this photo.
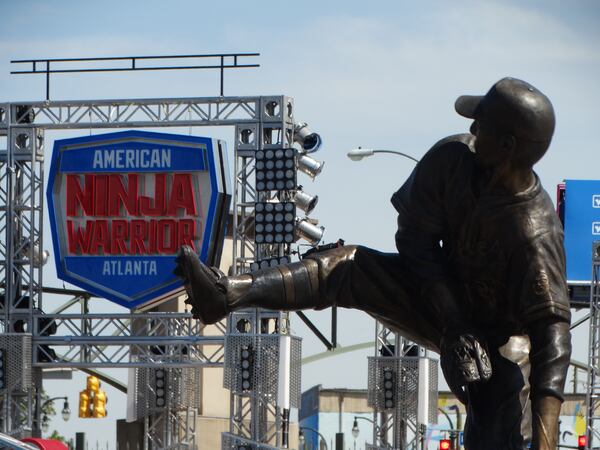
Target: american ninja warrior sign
(121, 204)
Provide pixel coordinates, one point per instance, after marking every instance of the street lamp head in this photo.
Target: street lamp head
(66, 411)
(45, 423)
(355, 429)
(359, 153)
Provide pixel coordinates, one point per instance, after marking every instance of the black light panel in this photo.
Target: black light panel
(274, 222)
(275, 170)
(269, 262)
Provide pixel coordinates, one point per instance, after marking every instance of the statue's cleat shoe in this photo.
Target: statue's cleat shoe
(205, 295)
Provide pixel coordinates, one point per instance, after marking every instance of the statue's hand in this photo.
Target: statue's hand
(545, 413)
(464, 360)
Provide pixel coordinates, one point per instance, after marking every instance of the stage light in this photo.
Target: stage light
(309, 166)
(305, 201)
(310, 142)
(275, 170)
(246, 367)
(160, 388)
(2, 369)
(308, 231)
(270, 262)
(274, 222)
(389, 388)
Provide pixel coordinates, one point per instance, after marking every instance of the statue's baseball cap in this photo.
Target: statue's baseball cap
(514, 106)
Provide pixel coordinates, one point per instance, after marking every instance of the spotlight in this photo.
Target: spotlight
(389, 388)
(309, 166)
(270, 262)
(40, 257)
(310, 142)
(308, 231)
(305, 201)
(2, 369)
(160, 388)
(275, 170)
(274, 223)
(246, 367)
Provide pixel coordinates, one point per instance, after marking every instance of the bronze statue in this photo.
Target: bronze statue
(479, 275)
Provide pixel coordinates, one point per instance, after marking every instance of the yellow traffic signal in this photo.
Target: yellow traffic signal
(84, 404)
(93, 383)
(99, 402)
(92, 401)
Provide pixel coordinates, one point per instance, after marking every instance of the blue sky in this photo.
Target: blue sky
(384, 75)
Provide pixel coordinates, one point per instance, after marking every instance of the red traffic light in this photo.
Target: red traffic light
(445, 444)
(581, 441)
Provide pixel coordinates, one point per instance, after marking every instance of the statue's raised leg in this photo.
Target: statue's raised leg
(350, 277)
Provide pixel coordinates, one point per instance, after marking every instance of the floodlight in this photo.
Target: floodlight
(269, 262)
(247, 367)
(274, 222)
(160, 392)
(304, 201)
(308, 231)
(40, 257)
(275, 169)
(310, 142)
(389, 388)
(309, 166)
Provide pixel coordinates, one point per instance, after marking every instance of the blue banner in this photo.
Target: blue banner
(582, 227)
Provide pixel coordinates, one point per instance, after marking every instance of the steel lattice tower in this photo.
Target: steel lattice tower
(593, 380)
(414, 390)
(22, 128)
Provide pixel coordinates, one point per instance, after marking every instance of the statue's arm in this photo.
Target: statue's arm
(550, 356)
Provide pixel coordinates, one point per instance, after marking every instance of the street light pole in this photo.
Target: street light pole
(66, 412)
(301, 437)
(356, 431)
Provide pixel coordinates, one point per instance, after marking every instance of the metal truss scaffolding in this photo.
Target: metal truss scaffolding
(593, 381)
(259, 397)
(402, 390)
(121, 340)
(257, 414)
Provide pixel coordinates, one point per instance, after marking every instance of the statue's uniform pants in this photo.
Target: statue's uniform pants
(498, 411)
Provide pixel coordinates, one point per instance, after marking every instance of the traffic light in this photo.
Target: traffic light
(99, 404)
(445, 444)
(247, 366)
(92, 400)
(92, 383)
(581, 442)
(160, 387)
(2, 368)
(84, 404)
(389, 388)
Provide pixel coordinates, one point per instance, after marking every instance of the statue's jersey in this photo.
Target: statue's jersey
(503, 253)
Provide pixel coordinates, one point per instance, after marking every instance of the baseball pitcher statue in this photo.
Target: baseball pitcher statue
(478, 276)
